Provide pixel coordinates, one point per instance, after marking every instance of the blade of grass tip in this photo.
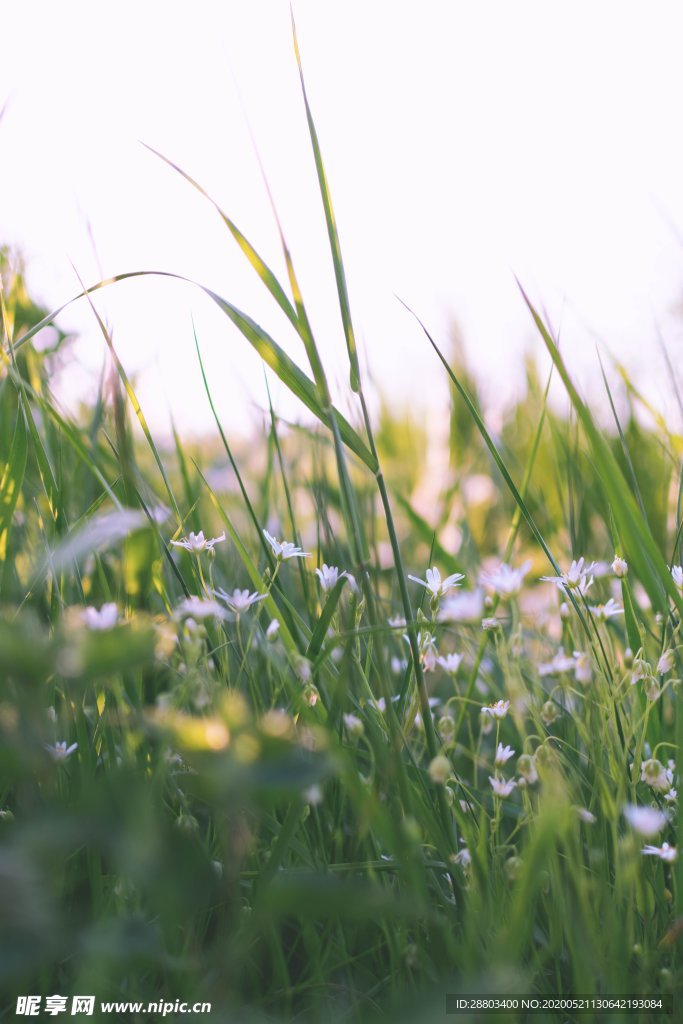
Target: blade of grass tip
(12, 479)
(132, 398)
(333, 235)
(488, 440)
(641, 547)
(622, 439)
(323, 622)
(260, 266)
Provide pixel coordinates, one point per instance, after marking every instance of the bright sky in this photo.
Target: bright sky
(465, 143)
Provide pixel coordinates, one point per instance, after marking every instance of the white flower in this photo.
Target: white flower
(313, 795)
(647, 821)
(583, 670)
(436, 586)
(665, 663)
(284, 549)
(428, 652)
(440, 769)
(502, 787)
(619, 567)
(330, 575)
(489, 625)
(656, 775)
(586, 816)
(505, 581)
(199, 608)
(197, 542)
(462, 606)
(677, 576)
(665, 852)
(526, 766)
(353, 725)
(240, 600)
(503, 754)
(671, 796)
(105, 618)
(450, 662)
(273, 630)
(559, 664)
(463, 858)
(497, 710)
(602, 612)
(576, 577)
(60, 751)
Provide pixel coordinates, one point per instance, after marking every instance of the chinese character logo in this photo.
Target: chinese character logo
(83, 1004)
(28, 1006)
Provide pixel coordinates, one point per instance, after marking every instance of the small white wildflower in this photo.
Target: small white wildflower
(240, 600)
(504, 580)
(463, 606)
(619, 567)
(669, 854)
(399, 665)
(665, 663)
(60, 751)
(647, 821)
(440, 770)
(583, 670)
(586, 816)
(284, 549)
(463, 858)
(497, 710)
(558, 665)
(502, 787)
(526, 766)
(273, 630)
(671, 796)
(353, 725)
(199, 608)
(576, 577)
(329, 576)
(437, 586)
(197, 542)
(104, 618)
(656, 775)
(602, 612)
(313, 795)
(503, 754)
(489, 625)
(450, 662)
(677, 576)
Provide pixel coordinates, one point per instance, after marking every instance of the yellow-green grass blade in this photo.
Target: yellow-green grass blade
(339, 274)
(639, 545)
(11, 479)
(285, 368)
(260, 266)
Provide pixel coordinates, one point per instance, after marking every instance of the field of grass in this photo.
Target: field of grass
(256, 752)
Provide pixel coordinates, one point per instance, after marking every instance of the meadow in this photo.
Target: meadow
(292, 728)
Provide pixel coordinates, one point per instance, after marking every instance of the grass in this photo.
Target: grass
(286, 811)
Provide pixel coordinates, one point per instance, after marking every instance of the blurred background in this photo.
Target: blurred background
(464, 147)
